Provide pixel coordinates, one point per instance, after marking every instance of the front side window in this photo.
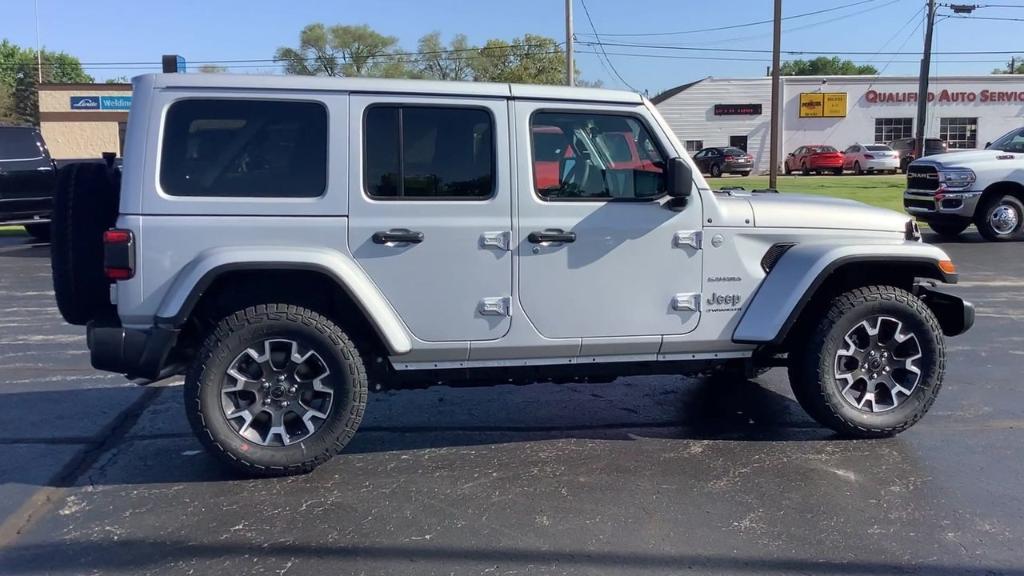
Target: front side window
(889, 129)
(959, 133)
(584, 156)
(1011, 142)
(428, 152)
(244, 148)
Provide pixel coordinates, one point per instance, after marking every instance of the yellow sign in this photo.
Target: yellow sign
(835, 105)
(823, 105)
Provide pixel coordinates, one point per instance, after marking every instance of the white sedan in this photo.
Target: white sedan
(871, 158)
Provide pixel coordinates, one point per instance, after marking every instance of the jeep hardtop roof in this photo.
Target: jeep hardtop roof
(382, 85)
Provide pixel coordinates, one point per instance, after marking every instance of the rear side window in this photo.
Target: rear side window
(427, 152)
(19, 144)
(245, 148)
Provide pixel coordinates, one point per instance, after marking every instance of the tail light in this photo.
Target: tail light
(119, 254)
(730, 157)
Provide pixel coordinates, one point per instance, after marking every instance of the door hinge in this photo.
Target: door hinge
(692, 238)
(498, 306)
(686, 302)
(499, 240)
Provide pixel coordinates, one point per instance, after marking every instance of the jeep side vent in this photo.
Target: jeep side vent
(771, 257)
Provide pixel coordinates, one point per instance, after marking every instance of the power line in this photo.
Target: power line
(999, 18)
(745, 25)
(603, 53)
(795, 52)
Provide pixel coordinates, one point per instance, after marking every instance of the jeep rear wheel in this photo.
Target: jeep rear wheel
(276, 390)
(879, 367)
(1000, 217)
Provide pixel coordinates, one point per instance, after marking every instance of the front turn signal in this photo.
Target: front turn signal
(947, 266)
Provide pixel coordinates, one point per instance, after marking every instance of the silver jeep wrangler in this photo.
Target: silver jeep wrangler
(289, 243)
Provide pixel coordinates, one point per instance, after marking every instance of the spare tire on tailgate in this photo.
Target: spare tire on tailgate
(85, 205)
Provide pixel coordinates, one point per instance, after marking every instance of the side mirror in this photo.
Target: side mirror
(680, 178)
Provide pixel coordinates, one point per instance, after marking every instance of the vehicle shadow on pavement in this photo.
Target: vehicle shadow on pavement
(132, 555)
(24, 249)
(160, 449)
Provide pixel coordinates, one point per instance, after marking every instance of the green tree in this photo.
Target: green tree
(1014, 66)
(7, 112)
(122, 79)
(212, 69)
(440, 62)
(825, 66)
(343, 51)
(531, 59)
(19, 74)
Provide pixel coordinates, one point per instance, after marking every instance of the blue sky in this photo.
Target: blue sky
(142, 30)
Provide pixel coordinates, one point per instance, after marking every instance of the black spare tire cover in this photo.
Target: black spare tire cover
(85, 205)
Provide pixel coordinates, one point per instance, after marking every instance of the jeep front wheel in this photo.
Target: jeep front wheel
(276, 389)
(879, 366)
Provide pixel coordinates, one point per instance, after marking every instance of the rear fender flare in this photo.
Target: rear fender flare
(196, 277)
(794, 280)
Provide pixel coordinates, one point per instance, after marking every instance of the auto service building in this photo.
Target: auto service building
(965, 111)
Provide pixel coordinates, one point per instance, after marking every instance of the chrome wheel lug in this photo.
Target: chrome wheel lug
(266, 401)
(285, 404)
(266, 385)
(293, 389)
(280, 377)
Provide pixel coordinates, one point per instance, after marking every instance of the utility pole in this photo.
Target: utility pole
(922, 86)
(570, 70)
(39, 53)
(773, 168)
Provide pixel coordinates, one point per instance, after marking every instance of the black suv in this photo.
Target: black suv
(27, 179)
(906, 147)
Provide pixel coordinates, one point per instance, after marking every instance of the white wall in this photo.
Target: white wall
(994, 118)
(691, 114)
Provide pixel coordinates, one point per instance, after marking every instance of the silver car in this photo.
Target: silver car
(290, 243)
(871, 158)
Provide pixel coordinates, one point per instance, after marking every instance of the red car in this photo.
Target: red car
(815, 158)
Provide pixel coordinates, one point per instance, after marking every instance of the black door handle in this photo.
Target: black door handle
(551, 236)
(396, 236)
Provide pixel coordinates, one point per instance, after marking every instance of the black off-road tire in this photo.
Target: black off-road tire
(85, 205)
(982, 217)
(232, 335)
(40, 232)
(948, 229)
(812, 374)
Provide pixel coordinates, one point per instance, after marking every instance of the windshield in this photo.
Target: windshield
(734, 152)
(878, 148)
(1011, 142)
(19, 144)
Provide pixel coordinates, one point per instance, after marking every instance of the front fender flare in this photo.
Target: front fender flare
(793, 281)
(199, 274)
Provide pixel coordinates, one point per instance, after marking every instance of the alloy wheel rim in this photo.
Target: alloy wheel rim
(880, 365)
(274, 393)
(1004, 219)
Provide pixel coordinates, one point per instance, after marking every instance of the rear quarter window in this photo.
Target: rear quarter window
(244, 148)
(19, 144)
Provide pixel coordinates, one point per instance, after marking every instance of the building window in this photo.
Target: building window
(959, 133)
(694, 146)
(429, 152)
(889, 129)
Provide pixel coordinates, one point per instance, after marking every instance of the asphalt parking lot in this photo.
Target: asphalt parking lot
(659, 475)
